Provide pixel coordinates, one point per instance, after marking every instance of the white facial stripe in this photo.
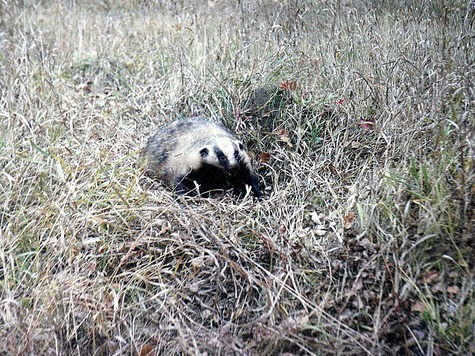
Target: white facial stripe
(227, 147)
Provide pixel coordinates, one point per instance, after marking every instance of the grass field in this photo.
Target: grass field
(360, 118)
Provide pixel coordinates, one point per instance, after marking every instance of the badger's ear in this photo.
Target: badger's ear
(204, 152)
(241, 146)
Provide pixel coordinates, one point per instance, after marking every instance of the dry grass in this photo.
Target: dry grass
(364, 241)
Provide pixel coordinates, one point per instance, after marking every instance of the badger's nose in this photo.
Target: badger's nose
(232, 170)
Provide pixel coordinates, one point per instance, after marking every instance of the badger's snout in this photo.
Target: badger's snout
(232, 171)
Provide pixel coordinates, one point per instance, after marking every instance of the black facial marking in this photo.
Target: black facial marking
(236, 155)
(204, 152)
(237, 152)
(223, 160)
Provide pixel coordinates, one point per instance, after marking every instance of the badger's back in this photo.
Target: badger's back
(174, 155)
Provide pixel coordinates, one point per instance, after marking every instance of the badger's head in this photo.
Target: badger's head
(224, 153)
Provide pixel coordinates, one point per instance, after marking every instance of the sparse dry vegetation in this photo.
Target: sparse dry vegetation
(364, 242)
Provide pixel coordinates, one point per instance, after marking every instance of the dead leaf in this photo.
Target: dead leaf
(284, 136)
(288, 86)
(264, 157)
(453, 290)
(358, 302)
(418, 306)
(333, 169)
(320, 230)
(345, 315)
(453, 274)
(438, 287)
(87, 87)
(349, 220)
(282, 229)
(297, 322)
(366, 125)
(315, 217)
(367, 244)
(146, 350)
(429, 277)
(357, 285)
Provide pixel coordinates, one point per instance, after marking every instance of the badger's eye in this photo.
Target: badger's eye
(241, 146)
(223, 159)
(204, 152)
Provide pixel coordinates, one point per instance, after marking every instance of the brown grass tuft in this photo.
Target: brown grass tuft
(364, 146)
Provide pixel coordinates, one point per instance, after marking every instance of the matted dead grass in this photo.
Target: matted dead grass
(364, 147)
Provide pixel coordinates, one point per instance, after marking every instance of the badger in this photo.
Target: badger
(195, 155)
